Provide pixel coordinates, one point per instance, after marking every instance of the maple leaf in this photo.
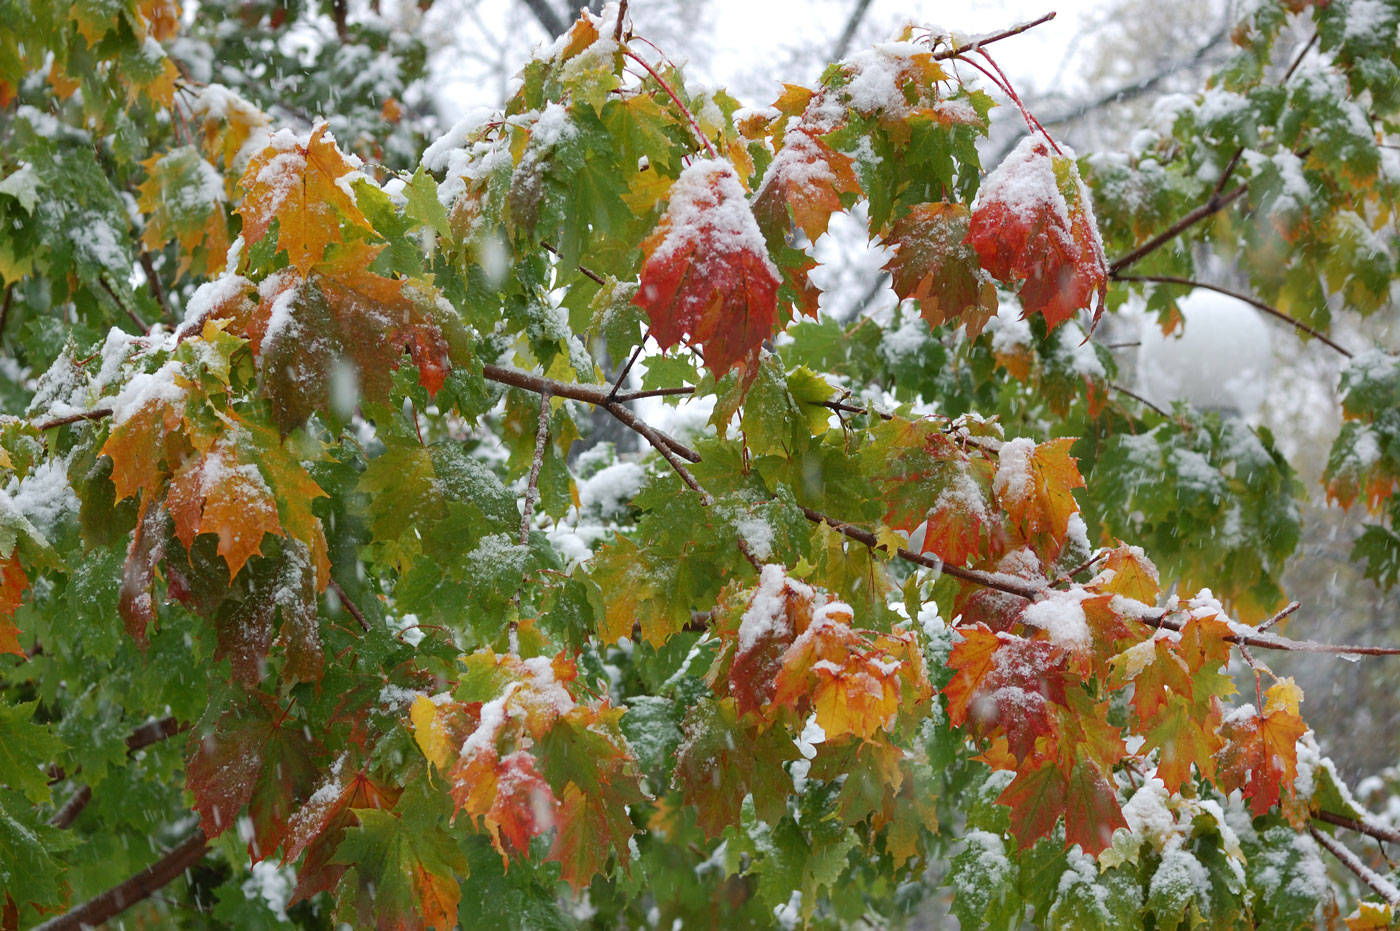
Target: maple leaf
(780, 609)
(1008, 685)
(318, 826)
(1033, 222)
(218, 494)
(405, 877)
(720, 761)
(183, 197)
(806, 177)
(256, 756)
(591, 826)
(294, 181)
(1260, 755)
(1039, 797)
(305, 326)
(934, 265)
(13, 582)
(707, 276)
(1034, 483)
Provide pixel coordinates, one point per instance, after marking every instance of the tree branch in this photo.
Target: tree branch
(552, 22)
(532, 486)
(140, 886)
(143, 325)
(157, 289)
(1210, 207)
(1364, 826)
(149, 733)
(1239, 296)
(843, 41)
(5, 307)
(991, 37)
(1384, 887)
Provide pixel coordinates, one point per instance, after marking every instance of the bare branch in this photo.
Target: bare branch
(126, 894)
(1239, 296)
(106, 286)
(552, 22)
(1140, 399)
(1384, 887)
(97, 413)
(1209, 208)
(149, 733)
(991, 37)
(157, 289)
(843, 41)
(1364, 826)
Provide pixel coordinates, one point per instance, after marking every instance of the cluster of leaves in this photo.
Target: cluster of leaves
(773, 672)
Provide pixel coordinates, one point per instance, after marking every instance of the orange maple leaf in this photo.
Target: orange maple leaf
(13, 582)
(1034, 223)
(1260, 756)
(707, 277)
(1034, 484)
(293, 181)
(806, 177)
(218, 494)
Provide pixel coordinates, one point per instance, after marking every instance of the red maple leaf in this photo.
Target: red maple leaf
(707, 277)
(1034, 223)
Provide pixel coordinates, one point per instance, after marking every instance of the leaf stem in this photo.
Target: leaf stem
(694, 125)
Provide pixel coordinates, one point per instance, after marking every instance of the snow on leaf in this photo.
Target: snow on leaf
(807, 178)
(1034, 484)
(934, 265)
(293, 181)
(183, 198)
(220, 495)
(1034, 223)
(1260, 754)
(707, 277)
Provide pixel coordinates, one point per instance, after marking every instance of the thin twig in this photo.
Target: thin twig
(1086, 564)
(653, 393)
(843, 42)
(993, 37)
(532, 486)
(349, 605)
(694, 124)
(631, 361)
(1384, 887)
(1289, 609)
(5, 307)
(585, 271)
(1364, 826)
(1299, 60)
(621, 15)
(1239, 296)
(1140, 399)
(157, 289)
(102, 280)
(97, 413)
(1225, 175)
(123, 895)
(674, 451)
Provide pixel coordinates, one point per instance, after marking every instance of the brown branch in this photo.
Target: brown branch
(1239, 296)
(991, 37)
(1363, 826)
(149, 733)
(532, 486)
(1384, 887)
(653, 393)
(1289, 609)
(585, 271)
(106, 286)
(157, 289)
(97, 413)
(123, 895)
(349, 605)
(621, 15)
(674, 451)
(1210, 207)
(1299, 60)
(339, 11)
(631, 361)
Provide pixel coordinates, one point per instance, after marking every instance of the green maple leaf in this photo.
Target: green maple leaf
(401, 875)
(25, 748)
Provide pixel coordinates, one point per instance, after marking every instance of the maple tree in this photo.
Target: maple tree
(303, 581)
